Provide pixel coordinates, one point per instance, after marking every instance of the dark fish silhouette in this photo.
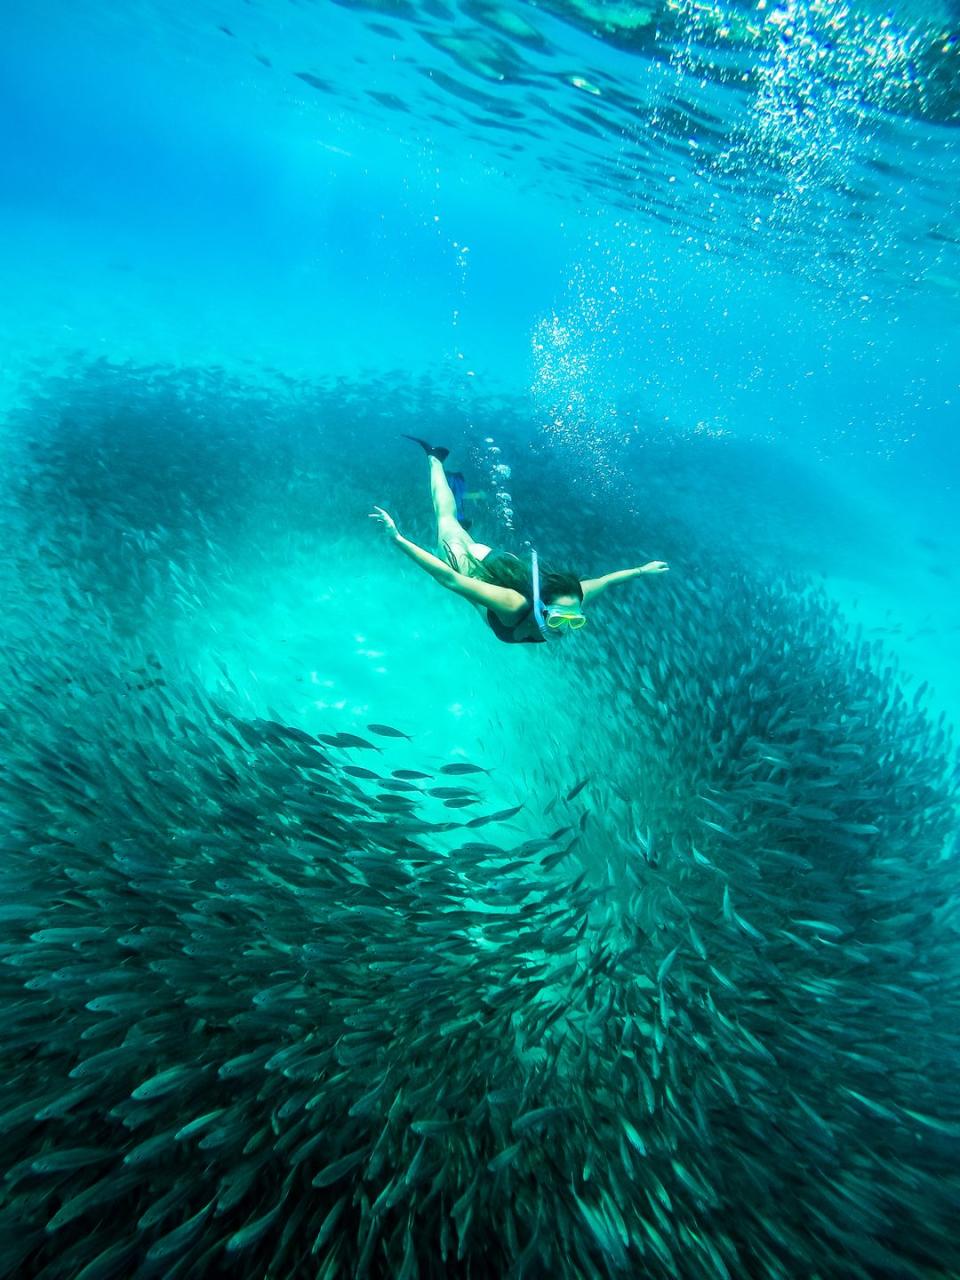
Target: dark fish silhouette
(387, 731)
(347, 741)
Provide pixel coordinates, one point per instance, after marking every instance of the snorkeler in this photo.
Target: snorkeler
(523, 603)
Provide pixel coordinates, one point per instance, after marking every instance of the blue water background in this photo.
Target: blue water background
(167, 198)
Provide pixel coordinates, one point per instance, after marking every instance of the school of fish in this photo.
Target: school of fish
(291, 1002)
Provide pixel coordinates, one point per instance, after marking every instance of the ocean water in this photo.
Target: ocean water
(636, 953)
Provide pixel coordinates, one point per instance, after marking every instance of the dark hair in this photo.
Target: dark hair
(504, 569)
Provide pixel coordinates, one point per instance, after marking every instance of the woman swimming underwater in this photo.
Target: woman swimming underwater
(523, 603)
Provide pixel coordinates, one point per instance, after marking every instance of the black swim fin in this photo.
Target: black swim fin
(432, 450)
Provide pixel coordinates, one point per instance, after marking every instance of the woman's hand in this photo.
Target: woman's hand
(387, 523)
(655, 566)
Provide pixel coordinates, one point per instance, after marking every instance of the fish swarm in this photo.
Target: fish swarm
(264, 1015)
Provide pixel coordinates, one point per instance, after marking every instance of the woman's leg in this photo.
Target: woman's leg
(455, 543)
(444, 503)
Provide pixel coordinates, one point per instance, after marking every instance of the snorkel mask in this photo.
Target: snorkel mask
(553, 620)
(564, 617)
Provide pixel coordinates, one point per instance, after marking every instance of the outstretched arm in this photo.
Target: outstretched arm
(501, 599)
(592, 587)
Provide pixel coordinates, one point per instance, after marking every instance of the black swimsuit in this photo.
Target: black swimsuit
(509, 634)
(524, 629)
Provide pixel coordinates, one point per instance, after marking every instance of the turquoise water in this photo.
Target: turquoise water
(676, 283)
(775, 262)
